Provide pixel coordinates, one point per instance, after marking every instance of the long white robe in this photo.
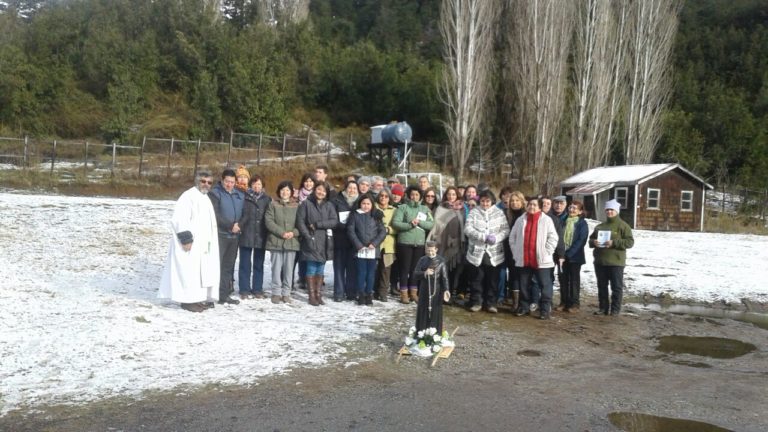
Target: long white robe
(192, 276)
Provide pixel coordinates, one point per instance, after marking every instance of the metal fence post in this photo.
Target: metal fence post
(197, 156)
(229, 151)
(428, 156)
(114, 158)
(445, 157)
(141, 154)
(306, 153)
(328, 147)
(258, 152)
(53, 157)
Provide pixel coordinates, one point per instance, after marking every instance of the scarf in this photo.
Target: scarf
(529, 242)
(570, 227)
(304, 194)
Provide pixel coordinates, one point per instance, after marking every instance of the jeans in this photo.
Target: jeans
(227, 258)
(315, 268)
(366, 275)
(344, 273)
(541, 291)
(614, 275)
(282, 270)
(571, 284)
(245, 283)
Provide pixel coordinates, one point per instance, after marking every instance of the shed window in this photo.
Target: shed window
(686, 200)
(654, 198)
(620, 195)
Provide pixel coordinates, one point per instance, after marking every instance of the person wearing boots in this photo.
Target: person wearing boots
(434, 289)
(282, 240)
(315, 221)
(610, 240)
(533, 240)
(387, 260)
(366, 231)
(412, 221)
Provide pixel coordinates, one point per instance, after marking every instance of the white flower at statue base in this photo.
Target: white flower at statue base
(435, 348)
(436, 338)
(431, 331)
(409, 341)
(420, 334)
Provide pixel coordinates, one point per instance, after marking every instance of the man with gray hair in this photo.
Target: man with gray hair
(377, 184)
(191, 273)
(364, 185)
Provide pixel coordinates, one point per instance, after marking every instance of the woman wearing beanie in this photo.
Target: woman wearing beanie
(611, 239)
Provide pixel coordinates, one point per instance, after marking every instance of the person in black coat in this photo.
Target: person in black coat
(253, 237)
(315, 221)
(434, 288)
(366, 231)
(343, 250)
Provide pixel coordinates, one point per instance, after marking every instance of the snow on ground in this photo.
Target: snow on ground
(80, 319)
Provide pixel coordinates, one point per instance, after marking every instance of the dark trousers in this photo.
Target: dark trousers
(383, 274)
(615, 276)
(540, 293)
(344, 273)
(245, 283)
(408, 256)
(365, 270)
(485, 284)
(227, 258)
(570, 287)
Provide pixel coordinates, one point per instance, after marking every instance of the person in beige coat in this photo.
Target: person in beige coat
(533, 240)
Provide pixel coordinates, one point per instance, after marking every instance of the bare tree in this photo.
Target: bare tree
(597, 72)
(539, 41)
(467, 28)
(653, 24)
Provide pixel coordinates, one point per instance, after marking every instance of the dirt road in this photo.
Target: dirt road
(507, 374)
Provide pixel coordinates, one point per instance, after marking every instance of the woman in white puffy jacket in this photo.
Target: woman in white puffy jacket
(486, 229)
(533, 240)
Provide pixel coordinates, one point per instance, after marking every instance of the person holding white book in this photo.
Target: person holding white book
(610, 241)
(366, 231)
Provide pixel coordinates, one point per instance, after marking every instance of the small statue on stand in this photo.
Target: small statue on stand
(434, 289)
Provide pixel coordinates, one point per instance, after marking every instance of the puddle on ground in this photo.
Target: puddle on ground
(694, 364)
(757, 319)
(636, 422)
(714, 347)
(529, 353)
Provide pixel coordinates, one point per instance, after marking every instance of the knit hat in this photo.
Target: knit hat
(242, 171)
(613, 205)
(398, 190)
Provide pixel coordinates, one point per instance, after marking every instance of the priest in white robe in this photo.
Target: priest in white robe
(191, 274)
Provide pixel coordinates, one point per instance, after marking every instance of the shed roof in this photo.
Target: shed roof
(625, 174)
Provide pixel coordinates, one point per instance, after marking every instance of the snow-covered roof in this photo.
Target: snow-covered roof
(625, 174)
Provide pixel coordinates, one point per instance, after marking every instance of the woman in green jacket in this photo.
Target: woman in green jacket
(282, 240)
(411, 221)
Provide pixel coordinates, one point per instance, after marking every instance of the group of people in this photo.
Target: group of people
(383, 238)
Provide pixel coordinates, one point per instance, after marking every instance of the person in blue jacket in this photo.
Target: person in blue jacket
(575, 234)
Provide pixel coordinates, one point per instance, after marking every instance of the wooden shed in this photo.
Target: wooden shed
(661, 197)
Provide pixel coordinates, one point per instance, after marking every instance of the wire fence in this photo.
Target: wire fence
(157, 157)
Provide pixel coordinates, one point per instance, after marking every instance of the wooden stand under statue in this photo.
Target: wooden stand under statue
(427, 338)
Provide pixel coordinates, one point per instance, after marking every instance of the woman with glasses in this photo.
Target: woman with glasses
(430, 199)
(387, 258)
(575, 234)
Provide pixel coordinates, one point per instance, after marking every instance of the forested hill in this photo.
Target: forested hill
(118, 69)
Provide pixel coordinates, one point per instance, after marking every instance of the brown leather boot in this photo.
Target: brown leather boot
(404, 297)
(414, 293)
(383, 294)
(318, 289)
(311, 290)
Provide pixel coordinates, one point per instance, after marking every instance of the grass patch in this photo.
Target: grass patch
(735, 224)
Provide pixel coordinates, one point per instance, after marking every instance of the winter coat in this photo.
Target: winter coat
(315, 222)
(281, 218)
(480, 224)
(340, 238)
(366, 228)
(559, 225)
(388, 245)
(408, 234)
(448, 232)
(253, 231)
(228, 208)
(622, 239)
(546, 241)
(575, 253)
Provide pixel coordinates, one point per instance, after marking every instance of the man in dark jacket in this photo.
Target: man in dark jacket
(228, 206)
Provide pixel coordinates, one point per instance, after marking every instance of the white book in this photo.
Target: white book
(603, 237)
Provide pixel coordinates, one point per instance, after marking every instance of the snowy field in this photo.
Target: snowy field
(80, 319)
